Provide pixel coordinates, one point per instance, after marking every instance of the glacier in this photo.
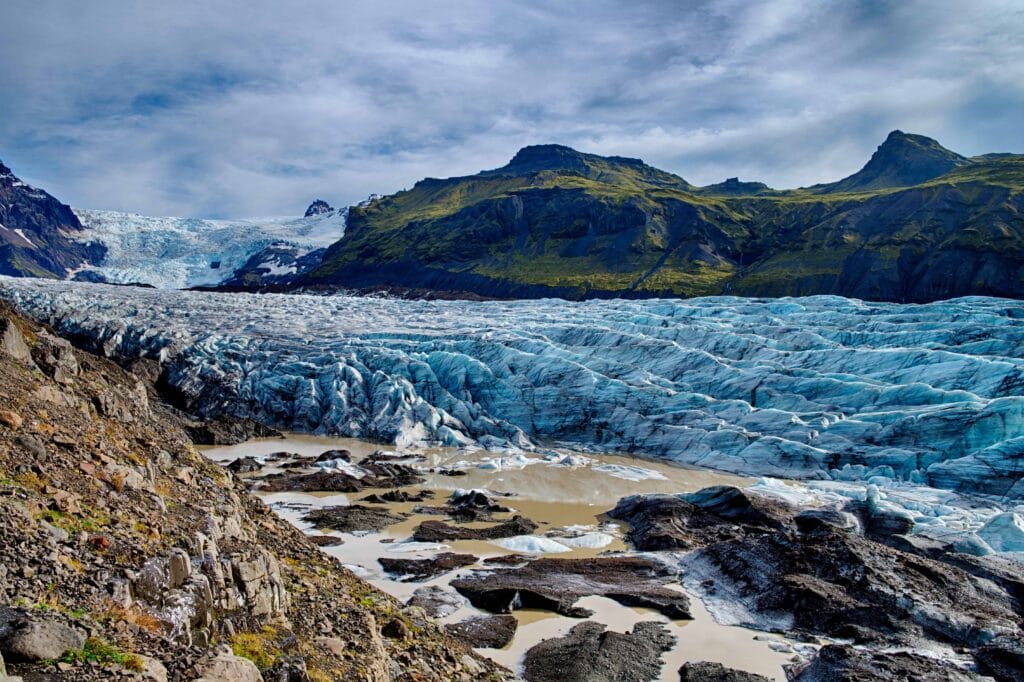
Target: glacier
(178, 253)
(823, 387)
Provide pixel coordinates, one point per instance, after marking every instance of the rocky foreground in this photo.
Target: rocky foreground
(853, 588)
(125, 554)
(890, 605)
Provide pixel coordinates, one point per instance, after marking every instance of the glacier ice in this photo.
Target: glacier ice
(812, 388)
(176, 253)
(531, 544)
(629, 473)
(1004, 532)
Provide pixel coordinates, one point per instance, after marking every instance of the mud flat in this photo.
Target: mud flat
(564, 493)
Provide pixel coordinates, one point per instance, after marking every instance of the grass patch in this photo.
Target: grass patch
(30, 480)
(51, 604)
(259, 647)
(98, 652)
(75, 523)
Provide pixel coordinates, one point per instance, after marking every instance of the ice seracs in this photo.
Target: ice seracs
(812, 388)
(177, 253)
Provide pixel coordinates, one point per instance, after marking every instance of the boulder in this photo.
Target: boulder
(352, 518)
(813, 521)
(151, 670)
(226, 667)
(244, 465)
(704, 671)
(589, 653)
(437, 601)
(416, 570)
(13, 343)
(739, 506)
(491, 632)
(438, 531)
(334, 456)
(11, 420)
(557, 584)
(26, 638)
(326, 540)
(55, 357)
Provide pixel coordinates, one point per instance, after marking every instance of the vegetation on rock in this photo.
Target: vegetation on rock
(918, 223)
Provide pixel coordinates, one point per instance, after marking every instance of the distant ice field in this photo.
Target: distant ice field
(815, 388)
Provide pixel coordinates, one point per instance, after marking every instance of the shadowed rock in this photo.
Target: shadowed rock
(704, 671)
(348, 519)
(492, 632)
(423, 569)
(842, 663)
(557, 584)
(244, 465)
(1002, 658)
(439, 531)
(589, 653)
(660, 522)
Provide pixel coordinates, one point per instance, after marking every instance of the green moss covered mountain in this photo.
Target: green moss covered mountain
(917, 223)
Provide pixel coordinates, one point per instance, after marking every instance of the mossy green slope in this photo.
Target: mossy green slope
(558, 222)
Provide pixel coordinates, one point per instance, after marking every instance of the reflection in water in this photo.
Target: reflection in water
(556, 496)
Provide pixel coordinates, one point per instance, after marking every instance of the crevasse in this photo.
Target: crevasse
(818, 387)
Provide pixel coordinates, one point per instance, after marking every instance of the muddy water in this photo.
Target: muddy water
(557, 498)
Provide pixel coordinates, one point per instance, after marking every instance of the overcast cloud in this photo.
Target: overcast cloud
(255, 108)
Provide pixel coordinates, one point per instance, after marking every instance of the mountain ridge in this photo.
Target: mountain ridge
(917, 222)
(37, 232)
(557, 222)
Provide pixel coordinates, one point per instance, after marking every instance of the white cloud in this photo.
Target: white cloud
(236, 108)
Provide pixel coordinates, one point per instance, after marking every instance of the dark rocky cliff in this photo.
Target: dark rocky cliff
(38, 232)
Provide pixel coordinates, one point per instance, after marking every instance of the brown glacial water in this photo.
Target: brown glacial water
(557, 498)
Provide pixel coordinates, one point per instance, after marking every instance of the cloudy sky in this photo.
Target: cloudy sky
(219, 108)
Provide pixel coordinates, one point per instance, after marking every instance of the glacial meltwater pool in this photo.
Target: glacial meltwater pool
(566, 496)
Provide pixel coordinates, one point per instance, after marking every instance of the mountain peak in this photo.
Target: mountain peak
(318, 207)
(539, 157)
(903, 159)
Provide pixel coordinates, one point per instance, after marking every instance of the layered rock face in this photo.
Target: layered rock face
(39, 236)
(124, 554)
(821, 387)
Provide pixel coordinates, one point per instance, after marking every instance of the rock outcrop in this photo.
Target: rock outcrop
(557, 584)
(492, 632)
(702, 671)
(589, 653)
(39, 236)
(848, 573)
